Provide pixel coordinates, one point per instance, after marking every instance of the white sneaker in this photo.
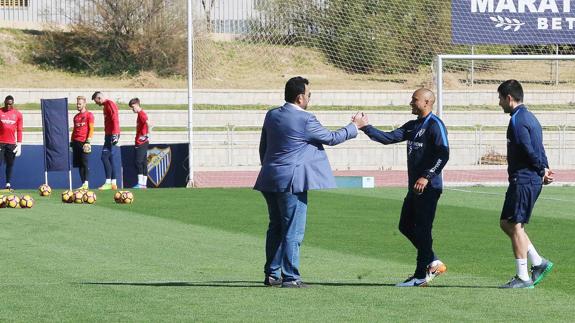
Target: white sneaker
(434, 269)
(413, 282)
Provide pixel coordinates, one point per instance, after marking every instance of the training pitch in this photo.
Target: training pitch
(197, 255)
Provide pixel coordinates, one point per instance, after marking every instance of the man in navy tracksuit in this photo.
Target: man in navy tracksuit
(427, 154)
(528, 170)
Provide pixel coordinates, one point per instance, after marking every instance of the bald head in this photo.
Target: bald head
(427, 94)
(422, 102)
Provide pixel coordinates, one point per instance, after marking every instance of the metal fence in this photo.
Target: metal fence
(38, 12)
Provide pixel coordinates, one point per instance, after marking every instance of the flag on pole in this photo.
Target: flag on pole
(56, 137)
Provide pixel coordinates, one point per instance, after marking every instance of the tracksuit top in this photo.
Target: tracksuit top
(141, 127)
(83, 126)
(526, 157)
(111, 118)
(11, 126)
(427, 147)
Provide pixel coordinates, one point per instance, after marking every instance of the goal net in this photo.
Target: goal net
(478, 125)
(340, 44)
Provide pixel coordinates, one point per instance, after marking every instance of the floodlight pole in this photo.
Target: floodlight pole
(190, 97)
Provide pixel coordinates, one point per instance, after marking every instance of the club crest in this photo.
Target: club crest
(159, 160)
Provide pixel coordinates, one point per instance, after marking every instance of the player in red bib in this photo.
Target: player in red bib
(11, 124)
(142, 141)
(81, 138)
(111, 138)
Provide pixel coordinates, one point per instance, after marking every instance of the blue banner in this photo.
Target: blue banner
(56, 140)
(27, 174)
(167, 165)
(517, 22)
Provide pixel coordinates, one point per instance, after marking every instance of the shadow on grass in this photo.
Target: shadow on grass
(225, 283)
(258, 284)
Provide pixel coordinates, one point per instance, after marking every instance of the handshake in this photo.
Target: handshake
(360, 120)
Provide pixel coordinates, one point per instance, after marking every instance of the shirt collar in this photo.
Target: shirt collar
(288, 104)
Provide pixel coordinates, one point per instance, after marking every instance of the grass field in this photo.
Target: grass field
(197, 255)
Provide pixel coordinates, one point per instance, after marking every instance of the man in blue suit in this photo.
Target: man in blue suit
(293, 161)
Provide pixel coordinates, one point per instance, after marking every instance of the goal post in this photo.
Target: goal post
(479, 134)
(442, 58)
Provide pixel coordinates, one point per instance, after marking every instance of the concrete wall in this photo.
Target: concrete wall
(238, 150)
(275, 97)
(251, 118)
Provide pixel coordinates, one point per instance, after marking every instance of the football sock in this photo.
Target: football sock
(113, 181)
(142, 179)
(521, 265)
(533, 256)
(7, 185)
(108, 181)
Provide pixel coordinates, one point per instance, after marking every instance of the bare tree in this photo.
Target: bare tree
(208, 6)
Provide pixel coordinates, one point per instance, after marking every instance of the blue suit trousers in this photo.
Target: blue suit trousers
(287, 218)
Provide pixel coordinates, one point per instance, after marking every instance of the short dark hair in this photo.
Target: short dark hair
(294, 87)
(95, 95)
(513, 88)
(133, 101)
(9, 97)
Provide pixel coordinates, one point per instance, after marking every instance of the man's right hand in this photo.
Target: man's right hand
(115, 139)
(548, 177)
(360, 120)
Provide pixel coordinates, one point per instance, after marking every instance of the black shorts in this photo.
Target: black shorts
(520, 199)
(7, 153)
(79, 157)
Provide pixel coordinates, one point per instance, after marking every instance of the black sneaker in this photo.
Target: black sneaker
(517, 282)
(539, 272)
(273, 282)
(294, 284)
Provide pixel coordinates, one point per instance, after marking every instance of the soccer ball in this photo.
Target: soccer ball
(127, 197)
(78, 197)
(118, 196)
(67, 196)
(44, 190)
(26, 201)
(12, 201)
(89, 197)
(2, 201)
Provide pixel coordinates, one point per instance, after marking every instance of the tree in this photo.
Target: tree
(208, 6)
(127, 36)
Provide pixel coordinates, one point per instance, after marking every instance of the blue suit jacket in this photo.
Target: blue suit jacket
(291, 151)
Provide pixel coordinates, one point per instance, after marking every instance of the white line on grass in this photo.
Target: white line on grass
(491, 193)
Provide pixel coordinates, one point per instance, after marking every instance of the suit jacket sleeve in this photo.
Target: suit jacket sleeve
(263, 142)
(318, 134)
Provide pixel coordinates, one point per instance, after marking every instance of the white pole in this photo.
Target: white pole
(510, 57)
(190, 98)
(556, 66)
(439, 86)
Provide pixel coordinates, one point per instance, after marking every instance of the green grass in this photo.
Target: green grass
(197, 255)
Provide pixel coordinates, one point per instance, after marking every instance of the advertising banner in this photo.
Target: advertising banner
(517, 22)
